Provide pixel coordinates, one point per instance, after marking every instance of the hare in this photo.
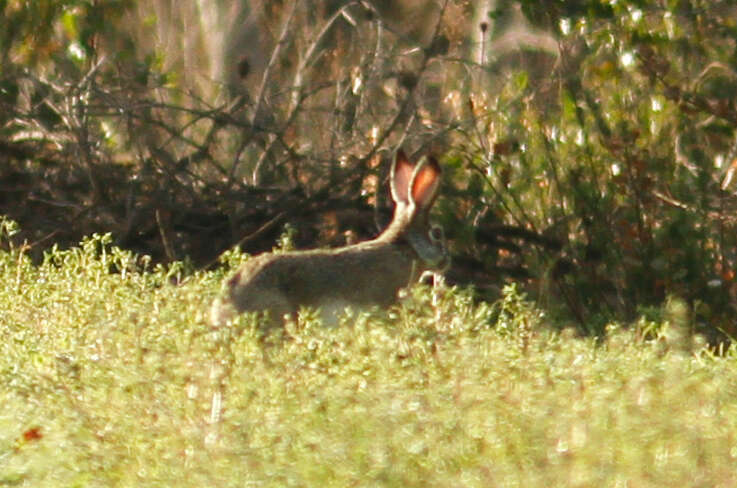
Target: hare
(360, 275)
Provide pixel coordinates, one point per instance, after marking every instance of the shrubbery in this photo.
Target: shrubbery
(588, 146)
(111, 374)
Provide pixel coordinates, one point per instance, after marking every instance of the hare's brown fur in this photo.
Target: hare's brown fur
(360, 275)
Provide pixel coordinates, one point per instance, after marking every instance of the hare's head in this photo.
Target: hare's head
(414, 188)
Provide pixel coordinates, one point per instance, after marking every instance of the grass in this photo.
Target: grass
(112, 376)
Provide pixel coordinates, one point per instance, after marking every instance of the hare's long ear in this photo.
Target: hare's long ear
(400, 178)
(425, 182)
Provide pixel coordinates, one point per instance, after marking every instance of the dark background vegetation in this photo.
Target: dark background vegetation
(588, 146)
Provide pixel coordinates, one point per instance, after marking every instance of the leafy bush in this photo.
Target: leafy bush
(620, 153)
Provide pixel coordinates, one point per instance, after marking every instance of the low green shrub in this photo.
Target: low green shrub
(112, 376)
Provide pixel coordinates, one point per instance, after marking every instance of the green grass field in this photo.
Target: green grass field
(113, 377)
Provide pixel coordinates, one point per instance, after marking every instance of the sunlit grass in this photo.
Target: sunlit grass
(112, 376)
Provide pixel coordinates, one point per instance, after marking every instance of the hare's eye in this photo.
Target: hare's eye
(436, 233)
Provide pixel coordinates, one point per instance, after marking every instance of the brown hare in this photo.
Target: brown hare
(361, 275)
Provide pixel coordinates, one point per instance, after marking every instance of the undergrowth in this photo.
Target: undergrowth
(112, 376)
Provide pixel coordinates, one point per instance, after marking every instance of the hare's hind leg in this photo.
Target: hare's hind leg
(274, 303)
(264, 300)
